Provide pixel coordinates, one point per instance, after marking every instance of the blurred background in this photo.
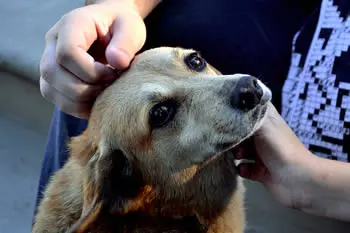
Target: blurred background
(25, 118)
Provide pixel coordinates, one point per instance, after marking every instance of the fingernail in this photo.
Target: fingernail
(124, 58)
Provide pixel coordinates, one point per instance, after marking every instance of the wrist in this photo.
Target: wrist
(143, 7)
(326, 189)
(300, 180)
(331, 195)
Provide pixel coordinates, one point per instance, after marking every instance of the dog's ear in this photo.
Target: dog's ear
(112, 185)
(89, 218)
(82, 148)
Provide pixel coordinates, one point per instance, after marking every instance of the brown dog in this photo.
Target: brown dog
(155, 155)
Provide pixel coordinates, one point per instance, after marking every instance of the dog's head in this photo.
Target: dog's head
(171, 112)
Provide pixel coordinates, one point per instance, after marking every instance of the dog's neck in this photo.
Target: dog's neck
(200, 198)
(141, 222)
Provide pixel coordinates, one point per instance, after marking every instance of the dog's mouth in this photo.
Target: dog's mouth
(226, 146)
(223, 147)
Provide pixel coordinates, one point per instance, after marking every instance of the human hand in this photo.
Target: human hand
(83, 48)
(282, 163)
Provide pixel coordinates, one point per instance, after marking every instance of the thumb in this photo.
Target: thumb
(247, 171)
(128, 37)
(256, 171)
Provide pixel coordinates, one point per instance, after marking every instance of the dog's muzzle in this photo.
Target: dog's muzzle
(248, 93)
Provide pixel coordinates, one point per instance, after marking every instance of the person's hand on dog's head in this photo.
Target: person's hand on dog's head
(72, 73)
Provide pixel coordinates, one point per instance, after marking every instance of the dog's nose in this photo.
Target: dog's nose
(246, 94)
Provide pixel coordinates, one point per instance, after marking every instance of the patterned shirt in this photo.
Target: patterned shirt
(316, 93)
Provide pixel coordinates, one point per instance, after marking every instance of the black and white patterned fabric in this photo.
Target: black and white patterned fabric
(316, 93)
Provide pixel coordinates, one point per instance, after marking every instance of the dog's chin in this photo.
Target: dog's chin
(226, 146)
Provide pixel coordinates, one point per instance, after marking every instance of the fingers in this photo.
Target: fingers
(239, 152)
(128, 37)
(71, 78)
(77, 109)
(256, 170)
(246, 150)
(64, 81)
(247, 171)
(250, 165)
(63, 88)
(75, 36)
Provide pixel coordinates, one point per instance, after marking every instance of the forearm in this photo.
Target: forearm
(144, 7)
(330, 189)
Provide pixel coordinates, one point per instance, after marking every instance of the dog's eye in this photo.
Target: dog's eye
(162, 113)
(195, 62)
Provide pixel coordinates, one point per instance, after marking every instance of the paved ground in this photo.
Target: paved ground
(24, 24)
(24, 119)
(25, 116)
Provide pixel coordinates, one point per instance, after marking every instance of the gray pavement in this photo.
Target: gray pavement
(25, 117)
(24, 24)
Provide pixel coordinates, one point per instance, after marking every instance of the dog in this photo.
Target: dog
(156, 155)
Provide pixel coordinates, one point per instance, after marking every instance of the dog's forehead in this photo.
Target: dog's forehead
(164, 54)
(167, 62)
(150, 88)
(161, 59)
(160, 72)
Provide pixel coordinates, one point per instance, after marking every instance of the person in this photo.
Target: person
(85, 47)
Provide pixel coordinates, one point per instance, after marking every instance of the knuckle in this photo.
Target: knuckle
(47, 71)
(66, 17)
(44, 93)
(85, 93)
(48, 34)
(81, 95)
(77, 94)
(45, 90)
(67, 106)
(72, 108)
(52, 32)
(73, 15)
(62, 55)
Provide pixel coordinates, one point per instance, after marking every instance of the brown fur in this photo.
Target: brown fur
(123, 176)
